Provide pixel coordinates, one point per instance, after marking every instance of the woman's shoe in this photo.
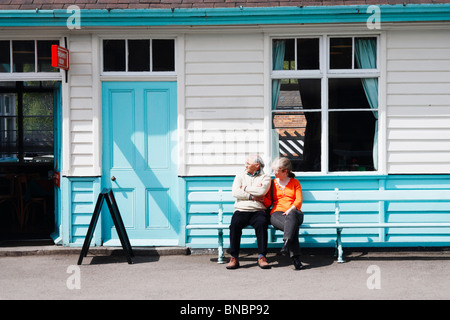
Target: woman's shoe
(297, 263)
(285, 248)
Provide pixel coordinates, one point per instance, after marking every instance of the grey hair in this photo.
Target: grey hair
(257, 159)
(283, 164)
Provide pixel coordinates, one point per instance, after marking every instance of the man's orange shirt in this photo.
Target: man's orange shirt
(284, 199)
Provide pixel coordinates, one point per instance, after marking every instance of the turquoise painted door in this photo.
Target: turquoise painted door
(140, 160)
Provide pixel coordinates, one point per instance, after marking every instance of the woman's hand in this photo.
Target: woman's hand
(289, 210)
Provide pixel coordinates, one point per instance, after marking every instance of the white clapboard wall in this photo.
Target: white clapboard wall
(418, 101)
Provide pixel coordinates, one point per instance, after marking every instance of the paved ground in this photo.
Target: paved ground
(155, 275)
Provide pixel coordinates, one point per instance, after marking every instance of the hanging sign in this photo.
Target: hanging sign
(60, 57)
(57, 179)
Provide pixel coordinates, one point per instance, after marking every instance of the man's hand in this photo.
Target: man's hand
(260, 199)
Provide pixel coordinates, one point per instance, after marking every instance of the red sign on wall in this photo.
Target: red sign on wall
(57, 179)
(60, 57)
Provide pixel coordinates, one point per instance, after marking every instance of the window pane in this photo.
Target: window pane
(23, 56)
(8, 127)
(308, 54)
(351, 140)
(8, 137)
(347, 94)
(163, 55)
(341, 53)
(37, 142)
(299, 139)
(5, 63)
(113, 55)
(37, 104)
(37, 124)
(44, 49)
(366, 53)
(298, 132)
(297, 94)
(138, 55)
(283, 54)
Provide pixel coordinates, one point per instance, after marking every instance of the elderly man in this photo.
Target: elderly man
(249, 188)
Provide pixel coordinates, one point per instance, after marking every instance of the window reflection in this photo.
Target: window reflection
(297, 122)
(23, 56)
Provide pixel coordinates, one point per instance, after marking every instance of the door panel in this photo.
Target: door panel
(139, 121)
(122, 129)
(157, 126)
(159, 200)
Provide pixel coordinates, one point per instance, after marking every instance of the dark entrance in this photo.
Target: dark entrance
(28, 158)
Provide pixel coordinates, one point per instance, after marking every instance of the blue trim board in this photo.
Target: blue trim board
(57, 141)
(203, 194)
(225, 16)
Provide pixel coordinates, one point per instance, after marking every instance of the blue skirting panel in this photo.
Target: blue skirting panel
(79, 196)
(206, 195)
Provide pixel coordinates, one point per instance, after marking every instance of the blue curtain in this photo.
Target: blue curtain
(278, 61)
(366, 58)
(278, 50)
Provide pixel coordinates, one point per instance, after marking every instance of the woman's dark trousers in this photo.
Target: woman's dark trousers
(289, 224)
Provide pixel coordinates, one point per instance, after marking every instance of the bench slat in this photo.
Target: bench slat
(340, 225)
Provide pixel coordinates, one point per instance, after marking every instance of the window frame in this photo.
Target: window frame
(34, 75)
(324, 73)
(136, 73)
(18, 91)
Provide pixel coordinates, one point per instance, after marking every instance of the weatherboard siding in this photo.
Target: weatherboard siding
(418, 101)
(224, 100)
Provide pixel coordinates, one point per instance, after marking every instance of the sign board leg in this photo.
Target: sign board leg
(90, 233)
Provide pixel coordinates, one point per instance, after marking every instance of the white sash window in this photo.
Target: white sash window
(325, 102)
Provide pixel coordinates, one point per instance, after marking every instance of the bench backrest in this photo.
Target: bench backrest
(347, 206)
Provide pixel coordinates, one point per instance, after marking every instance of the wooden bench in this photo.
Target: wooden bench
(338, 197)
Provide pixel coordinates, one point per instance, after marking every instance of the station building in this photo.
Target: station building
(163, 101)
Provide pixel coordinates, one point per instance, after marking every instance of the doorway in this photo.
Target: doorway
(29, 158)
(140, 160)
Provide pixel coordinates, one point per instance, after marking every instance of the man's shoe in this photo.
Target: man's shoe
(233, 264)
(297, 263)
(262, 262)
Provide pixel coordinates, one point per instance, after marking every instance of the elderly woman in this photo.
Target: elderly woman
(285, 214)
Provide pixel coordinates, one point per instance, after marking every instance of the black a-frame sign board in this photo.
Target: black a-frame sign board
(108, 196)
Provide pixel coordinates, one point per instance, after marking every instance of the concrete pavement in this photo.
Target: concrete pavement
(52, 273)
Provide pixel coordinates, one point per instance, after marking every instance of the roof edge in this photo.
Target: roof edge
(224, 16)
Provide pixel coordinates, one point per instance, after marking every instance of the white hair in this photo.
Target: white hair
(257, 159)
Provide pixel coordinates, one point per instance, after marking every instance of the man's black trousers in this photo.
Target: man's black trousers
(259, 220)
